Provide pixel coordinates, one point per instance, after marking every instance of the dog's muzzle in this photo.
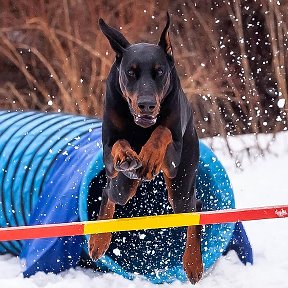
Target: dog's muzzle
(145, 121)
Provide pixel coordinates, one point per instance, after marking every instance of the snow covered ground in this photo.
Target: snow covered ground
(262, 182)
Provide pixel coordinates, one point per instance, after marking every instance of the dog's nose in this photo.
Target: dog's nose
(146, 106)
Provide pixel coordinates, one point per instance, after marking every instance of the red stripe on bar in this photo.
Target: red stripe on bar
(225, 216)
(41, 231)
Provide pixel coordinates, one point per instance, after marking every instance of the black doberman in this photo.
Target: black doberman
(148, 128)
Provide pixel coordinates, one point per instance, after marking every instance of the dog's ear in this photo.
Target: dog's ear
(117, 41)
(165, 42)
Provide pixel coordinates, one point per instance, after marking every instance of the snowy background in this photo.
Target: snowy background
(260, 181)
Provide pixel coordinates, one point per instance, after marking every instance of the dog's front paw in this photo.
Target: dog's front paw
(124, 158)
(153, 153)
(98, 245)
(152, 161)
(128, 163)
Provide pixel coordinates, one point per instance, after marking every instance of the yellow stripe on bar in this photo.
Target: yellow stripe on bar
(139, 223)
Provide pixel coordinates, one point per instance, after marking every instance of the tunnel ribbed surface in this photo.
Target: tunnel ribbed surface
(29, 143)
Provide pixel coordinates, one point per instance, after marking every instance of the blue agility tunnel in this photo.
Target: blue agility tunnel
(51, 171)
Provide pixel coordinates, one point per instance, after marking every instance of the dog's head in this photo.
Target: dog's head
(144, 72)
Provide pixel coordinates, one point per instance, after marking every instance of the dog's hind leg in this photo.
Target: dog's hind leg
(119, 190)
(99, 243)
(192, 258)
(181, 195)
(181, 203)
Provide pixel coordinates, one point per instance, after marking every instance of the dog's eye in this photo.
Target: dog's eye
(131, 73)
(159, 71)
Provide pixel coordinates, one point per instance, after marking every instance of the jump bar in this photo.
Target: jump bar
(140, 223)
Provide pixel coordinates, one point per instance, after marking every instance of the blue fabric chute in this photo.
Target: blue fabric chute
(52, 172)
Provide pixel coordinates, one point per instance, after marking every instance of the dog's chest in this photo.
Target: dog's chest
(138, 137)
